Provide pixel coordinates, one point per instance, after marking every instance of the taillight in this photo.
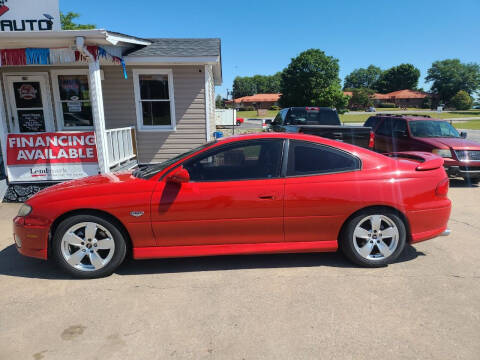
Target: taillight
(442, 188)
(371, 142)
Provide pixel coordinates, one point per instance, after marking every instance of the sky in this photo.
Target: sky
(262, 36)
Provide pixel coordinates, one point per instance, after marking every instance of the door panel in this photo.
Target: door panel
(207, 213)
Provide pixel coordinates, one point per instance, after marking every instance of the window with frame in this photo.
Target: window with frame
(154, 96)
(74, 98)
(248, 160)
(385, 128)
(306, 158)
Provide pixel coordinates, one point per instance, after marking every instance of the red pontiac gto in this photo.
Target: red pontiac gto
(261, 193)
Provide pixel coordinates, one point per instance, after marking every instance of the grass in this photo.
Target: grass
(253, 114)
(469, 125)
(361, 118)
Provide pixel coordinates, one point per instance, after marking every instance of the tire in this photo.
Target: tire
(85, 259)
(370, 247)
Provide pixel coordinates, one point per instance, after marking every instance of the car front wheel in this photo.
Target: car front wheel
(88, 246)
(374, 238)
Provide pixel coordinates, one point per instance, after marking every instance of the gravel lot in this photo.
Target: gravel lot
(300, 306)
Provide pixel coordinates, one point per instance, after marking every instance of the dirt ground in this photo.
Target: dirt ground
(294, 306)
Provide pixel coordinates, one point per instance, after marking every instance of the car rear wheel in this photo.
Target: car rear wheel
(88, 246)
(374, 238)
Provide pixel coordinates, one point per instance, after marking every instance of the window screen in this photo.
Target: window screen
(307, 158)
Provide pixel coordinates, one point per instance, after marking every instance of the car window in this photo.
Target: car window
(278, 119)
(433, 128)
(312, 116)
(400, 125)
(371, 122)
(253, 159)
(385, 128)
(306, 158)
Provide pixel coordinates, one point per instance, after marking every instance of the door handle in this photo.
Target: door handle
(266, 196)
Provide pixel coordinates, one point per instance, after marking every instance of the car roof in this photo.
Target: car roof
(413, 117)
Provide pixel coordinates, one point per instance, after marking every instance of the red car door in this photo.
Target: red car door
(235, 195)
(319, 191)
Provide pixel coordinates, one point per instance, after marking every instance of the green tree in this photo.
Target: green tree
(311, 79)
(363, 78)
(243, 86)
(450, 76)
(68, 24)
(461, 100)
(403, 76)
(361, 98)
(219, 102)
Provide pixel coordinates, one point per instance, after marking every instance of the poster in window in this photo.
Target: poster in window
(31, 121)
(27, 94)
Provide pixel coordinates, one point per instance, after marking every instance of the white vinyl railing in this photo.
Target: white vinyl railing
(120, 144)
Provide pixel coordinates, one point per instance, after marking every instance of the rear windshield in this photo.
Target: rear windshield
(432, 128)
(312, 117)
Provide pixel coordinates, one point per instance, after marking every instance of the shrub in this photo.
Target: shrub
(386, 105)
(461, 100)
(247, 108)
(275, 107)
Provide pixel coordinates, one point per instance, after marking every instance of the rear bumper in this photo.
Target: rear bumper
(30, 240)
(428, 224)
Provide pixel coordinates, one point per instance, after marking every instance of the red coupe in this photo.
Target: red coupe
(260, 193)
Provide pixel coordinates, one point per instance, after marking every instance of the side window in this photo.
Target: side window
(254, 159)
(371, 122)
(306, 158)
(399, 126)
(385, 128)
(278, 119)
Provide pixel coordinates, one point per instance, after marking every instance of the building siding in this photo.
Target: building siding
(119, 106)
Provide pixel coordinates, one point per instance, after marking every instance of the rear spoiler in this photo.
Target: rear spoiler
(428, 161)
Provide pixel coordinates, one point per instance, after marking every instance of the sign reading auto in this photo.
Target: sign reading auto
(29, 15)
(51, 156)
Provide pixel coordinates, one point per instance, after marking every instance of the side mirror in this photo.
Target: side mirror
(179, 176)
(268, 122)
(463, 134)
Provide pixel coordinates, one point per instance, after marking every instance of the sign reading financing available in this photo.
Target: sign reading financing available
(51, 156)
(29, 15)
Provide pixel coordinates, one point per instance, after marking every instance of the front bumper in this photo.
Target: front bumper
(469, 169)
(30, 240)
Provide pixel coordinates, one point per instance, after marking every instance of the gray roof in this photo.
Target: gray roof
(179, 48)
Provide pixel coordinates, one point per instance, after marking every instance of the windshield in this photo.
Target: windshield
(432, 128)
(147, 171)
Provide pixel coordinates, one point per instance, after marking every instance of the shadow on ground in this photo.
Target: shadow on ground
(14, 264)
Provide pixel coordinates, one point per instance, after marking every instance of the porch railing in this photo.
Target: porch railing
(121, 145)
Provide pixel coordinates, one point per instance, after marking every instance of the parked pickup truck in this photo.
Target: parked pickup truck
(405, 133)
(320, 121)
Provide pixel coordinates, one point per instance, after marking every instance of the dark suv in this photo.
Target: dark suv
(393, 133)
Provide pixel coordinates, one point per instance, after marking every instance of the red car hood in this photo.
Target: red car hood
(453, 143)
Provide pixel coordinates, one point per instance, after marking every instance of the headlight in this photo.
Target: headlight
(443, 153)
(24, 210)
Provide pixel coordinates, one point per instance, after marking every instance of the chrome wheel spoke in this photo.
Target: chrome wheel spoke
(389, 232)
(95, 259)
(361, 233)
(73, 239)
(376, 221)
(90, 230)
(384, 249)
(366, 249)
(76, 258)
(105, 244)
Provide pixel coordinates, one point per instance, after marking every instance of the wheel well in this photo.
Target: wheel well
(400, 214)
(103, 214)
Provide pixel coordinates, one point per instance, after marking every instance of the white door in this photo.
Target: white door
(30, 108)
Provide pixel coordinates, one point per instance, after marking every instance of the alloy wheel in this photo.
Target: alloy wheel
(87, 246)
(376, 237)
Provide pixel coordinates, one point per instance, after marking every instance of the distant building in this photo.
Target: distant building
(407, 98)
(258, 101)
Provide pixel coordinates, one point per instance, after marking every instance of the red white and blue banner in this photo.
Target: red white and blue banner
(54, 156)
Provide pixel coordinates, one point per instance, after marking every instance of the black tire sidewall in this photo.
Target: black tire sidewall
(118, 238)
(348, 247)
